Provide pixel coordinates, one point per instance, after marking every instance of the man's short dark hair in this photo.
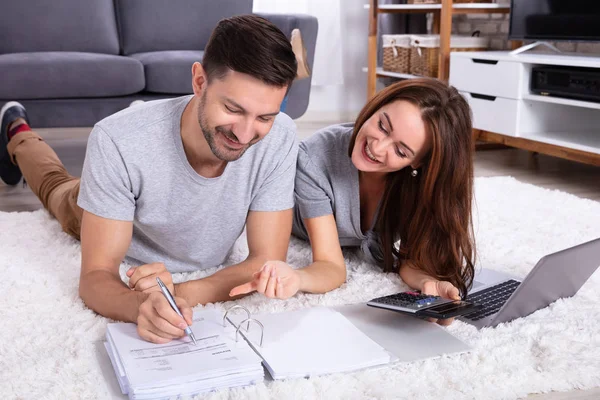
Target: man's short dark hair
(251, 45)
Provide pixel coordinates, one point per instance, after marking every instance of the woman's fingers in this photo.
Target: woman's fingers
(263, 279)
(279, 289)
(453, 293)
(271, 284)
(243, 289)
(447, 290)
(267, 281)
(259, 280)
(445, 322)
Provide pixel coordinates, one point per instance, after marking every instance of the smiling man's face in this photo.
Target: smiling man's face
(237, 111)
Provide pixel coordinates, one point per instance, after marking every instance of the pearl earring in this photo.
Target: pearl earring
(414, 173)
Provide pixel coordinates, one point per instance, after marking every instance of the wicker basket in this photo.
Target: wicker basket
(425, 52)
(396, 53)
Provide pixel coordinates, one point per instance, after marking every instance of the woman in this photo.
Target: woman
(402, 172)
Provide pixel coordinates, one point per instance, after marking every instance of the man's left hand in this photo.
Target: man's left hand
(143, 278)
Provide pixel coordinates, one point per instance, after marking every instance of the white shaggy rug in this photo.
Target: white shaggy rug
(49, 342)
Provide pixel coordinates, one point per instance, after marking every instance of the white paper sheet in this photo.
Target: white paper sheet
(150, 370)
(311, 342)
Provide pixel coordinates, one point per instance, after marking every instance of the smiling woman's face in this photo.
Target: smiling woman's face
(393, 138)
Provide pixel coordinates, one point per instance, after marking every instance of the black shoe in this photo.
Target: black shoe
(9, 172)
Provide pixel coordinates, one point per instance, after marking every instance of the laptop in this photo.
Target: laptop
(557, 275)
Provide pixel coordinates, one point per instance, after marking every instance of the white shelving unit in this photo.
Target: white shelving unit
(381, 72)
(577, 141)
(442, 24)
(559, 100)
(497, 86)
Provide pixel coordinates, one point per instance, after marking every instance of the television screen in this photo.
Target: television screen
(555, 19)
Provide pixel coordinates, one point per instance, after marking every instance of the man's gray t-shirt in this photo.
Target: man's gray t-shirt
(136, 170)
(327, 184)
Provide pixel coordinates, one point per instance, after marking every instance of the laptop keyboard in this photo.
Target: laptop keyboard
(492, 299)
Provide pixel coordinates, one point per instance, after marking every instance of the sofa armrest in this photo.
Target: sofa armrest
(308, 25)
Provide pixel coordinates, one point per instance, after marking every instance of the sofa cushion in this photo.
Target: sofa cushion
(154, 25)
(53, 75)
(169, 72)
(64, 25)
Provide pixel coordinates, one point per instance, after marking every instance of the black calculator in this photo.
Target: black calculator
(424, 305)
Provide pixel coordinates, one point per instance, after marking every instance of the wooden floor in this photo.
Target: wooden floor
(578, 179)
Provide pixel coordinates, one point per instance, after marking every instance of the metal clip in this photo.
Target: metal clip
(262, 329)
(233, 308)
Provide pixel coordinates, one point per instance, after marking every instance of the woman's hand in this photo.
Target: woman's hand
(443, 289)
(276, 279)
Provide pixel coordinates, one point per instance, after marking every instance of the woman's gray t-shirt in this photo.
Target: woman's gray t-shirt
(327, 184)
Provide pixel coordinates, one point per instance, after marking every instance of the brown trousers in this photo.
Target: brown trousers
(48, 179)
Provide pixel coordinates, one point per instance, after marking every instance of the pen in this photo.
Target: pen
(171, 301)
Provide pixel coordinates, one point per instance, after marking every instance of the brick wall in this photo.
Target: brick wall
(492, 26)
(495, 26)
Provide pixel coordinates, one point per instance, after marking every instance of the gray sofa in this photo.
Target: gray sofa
(72, 62)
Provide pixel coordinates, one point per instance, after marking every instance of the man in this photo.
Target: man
(169, 185)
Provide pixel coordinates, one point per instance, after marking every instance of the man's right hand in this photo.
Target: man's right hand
(157, 322)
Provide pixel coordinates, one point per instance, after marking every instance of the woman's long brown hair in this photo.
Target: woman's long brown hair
(431, 213)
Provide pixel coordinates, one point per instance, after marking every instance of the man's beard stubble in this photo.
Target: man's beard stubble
(209, 135)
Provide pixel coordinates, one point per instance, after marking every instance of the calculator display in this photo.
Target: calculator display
(454, 306)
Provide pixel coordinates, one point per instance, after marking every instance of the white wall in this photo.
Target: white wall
(343, 30)
(343, 102)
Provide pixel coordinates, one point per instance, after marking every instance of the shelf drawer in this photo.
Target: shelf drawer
(493, 78)
(494, 114)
